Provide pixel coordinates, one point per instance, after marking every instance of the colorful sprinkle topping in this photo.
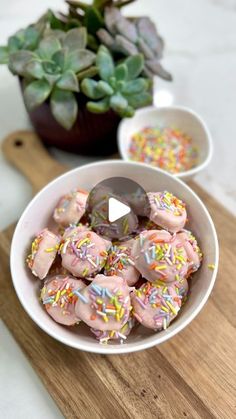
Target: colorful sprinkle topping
(170, 149)
(168, 202)
(164, 300)
(119, 258)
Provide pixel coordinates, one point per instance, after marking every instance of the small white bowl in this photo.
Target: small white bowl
(37, 215)
(170, 116)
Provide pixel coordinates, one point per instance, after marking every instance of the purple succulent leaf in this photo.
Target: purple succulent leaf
(148, 32)
(105, 38)
(112, 15)
(127, 29)
(123, 45)
(145, 49)
(157, 69)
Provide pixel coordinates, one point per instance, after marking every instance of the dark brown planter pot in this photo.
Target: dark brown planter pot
(91, 134)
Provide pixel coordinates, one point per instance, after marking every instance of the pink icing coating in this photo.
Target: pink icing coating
(159, 255)
(59, 296)
(84, 253)
(192, 249)
(106, 305)
(155, 305)
(43, 252)
(70, 208)
(167, 211)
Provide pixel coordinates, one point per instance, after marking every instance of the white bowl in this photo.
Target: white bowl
(182, 118)
(37, 215)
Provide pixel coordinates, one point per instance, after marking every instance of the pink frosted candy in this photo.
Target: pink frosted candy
(167, 211)
(59, 296)
(84, 254)
(105, 336)
(70, 208)
(159, 255)
(155, 305)
(120, 262)
(192, 249)
(106, 304)
(43, 252)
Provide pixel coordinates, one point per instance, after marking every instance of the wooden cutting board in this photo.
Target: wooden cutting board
(192, 375)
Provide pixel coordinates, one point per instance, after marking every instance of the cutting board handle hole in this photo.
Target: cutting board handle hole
(18, 143)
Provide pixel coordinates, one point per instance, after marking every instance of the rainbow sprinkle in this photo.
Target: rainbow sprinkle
(170, 149)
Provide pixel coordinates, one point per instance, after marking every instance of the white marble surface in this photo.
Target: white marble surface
(201, 53)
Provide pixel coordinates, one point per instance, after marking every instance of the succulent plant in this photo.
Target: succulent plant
(24, 39)
(134, 36)
(119, 87)
(61, 55)
(53, 70)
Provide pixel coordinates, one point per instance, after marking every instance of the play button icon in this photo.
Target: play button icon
(116, 209)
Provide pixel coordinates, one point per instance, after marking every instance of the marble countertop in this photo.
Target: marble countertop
(201, 54)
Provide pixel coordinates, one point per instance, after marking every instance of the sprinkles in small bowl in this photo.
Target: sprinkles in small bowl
(168, 148)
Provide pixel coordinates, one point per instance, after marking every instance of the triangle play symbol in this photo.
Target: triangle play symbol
(117, 209)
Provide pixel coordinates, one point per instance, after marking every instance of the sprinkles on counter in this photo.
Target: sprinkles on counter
(167, 148)
(113, 302)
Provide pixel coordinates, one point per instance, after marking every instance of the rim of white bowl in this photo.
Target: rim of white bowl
(116, 349)
(188, 173)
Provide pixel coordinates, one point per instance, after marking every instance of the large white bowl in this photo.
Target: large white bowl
(180, 117)
(37, 215)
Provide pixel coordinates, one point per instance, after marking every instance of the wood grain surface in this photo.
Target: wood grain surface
(191, 376)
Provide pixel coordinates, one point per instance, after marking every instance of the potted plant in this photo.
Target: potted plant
(83, 71)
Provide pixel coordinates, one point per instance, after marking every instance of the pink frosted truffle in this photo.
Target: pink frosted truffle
(159, 255)
(155, 305)
(43, 252)
(105, 336)
(192, 249)
(121, 263)
(70, 208)
(105, 304)
(59, 296)
(167, 211)
(84, 254)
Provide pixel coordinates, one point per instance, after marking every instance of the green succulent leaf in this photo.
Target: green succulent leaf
(88, 72)
(3, 55)
(52, 78)
(139, 100)
(48, 46)
(118, 103)
(98, 107)
(135, 65)
(76, 39)
(14, 44)
(51, 67)
(55, 23)
(93, 20)
(105, 88)
(34, 69)
(36, 93)
(31, 38)
(92, 42)
(135, 86)
(90, 88)
(105, 63)
(64, 107)
(79, 60)
(18, 61)
(68, 81)
(121, 72)
(59, 58)
(129, 112)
